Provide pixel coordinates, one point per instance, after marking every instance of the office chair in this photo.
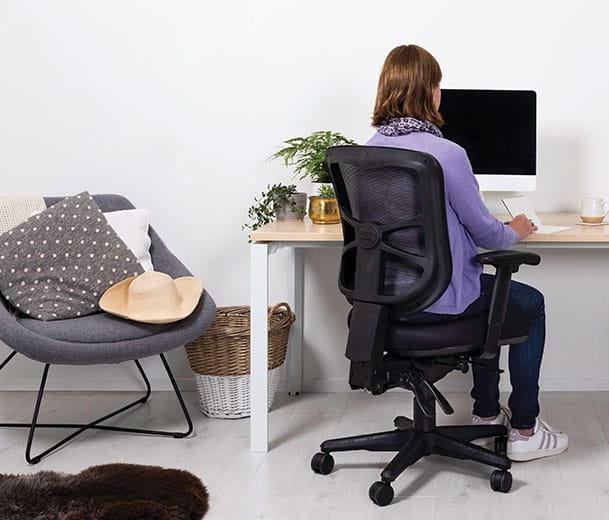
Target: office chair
(101, 338)
(396, 260)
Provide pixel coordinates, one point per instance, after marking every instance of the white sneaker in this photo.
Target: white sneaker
(544, 442)
(503, 418)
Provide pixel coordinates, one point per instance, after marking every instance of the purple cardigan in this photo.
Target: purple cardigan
(470, 224)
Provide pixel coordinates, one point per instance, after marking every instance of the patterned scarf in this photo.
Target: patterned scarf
(407, 125)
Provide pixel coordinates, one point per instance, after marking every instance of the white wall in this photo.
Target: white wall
(178, 104)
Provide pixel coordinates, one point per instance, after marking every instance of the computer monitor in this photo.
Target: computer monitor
(498, 129)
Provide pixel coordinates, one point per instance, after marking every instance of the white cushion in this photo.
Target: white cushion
(17, 208)
(131, 225)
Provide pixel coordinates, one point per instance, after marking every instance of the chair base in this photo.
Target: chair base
(413, 440)
(96, 424)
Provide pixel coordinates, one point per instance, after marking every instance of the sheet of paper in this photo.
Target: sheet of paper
(518, 205)
(521, 205)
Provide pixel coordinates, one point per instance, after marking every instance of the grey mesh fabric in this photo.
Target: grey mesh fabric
(100, 338)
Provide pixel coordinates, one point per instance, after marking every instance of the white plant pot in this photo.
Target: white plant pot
(286, 212)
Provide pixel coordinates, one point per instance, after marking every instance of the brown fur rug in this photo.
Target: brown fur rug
(107, 492)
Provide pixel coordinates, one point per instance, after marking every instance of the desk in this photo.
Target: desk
(301, 235)
(264, 242)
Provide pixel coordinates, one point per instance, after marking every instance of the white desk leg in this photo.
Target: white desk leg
(259, 427)
(296, 299)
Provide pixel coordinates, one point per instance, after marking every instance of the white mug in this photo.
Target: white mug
(594, 210)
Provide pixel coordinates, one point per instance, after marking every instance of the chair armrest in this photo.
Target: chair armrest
(508, 257)
(506, 263)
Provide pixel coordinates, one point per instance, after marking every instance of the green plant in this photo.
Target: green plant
(308, 154)
(265, 208)
(326, 191)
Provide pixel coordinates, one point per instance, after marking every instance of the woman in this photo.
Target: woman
(406, 115)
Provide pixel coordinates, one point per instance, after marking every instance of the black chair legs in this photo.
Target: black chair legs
(383, 441)
(413, 440)
(96, 424)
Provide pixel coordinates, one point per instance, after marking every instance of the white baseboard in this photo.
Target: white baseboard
(552, 384)
(187, 384)
(463, 384)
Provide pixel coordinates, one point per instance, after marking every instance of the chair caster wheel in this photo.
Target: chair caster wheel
(501, 480)
(501, 445)
(322, 463)
(381, 493)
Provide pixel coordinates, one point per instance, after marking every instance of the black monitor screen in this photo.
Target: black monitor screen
(497, 128)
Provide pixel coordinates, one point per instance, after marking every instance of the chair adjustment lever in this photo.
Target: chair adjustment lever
(444, 404)
(459, 364)
(421, 388)
(492, 370)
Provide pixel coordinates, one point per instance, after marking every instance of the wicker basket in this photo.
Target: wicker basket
(220, 359)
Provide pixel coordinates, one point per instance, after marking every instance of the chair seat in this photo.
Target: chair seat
(458, 336)
(102, 338)
(94, 328)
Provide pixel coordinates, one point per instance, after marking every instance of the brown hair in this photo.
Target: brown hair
(406, 86)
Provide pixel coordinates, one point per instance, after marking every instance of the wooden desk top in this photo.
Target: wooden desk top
(298, 231)
(576, 233)
(306, 231)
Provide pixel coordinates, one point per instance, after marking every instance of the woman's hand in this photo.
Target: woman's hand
(522, 225)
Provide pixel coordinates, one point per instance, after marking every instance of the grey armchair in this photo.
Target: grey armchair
(103, 339)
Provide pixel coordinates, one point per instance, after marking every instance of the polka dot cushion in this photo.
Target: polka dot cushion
(59, 262)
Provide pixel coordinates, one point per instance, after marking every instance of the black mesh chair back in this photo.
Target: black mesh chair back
(396, 249)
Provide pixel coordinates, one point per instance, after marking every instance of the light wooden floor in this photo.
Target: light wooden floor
(280, 484)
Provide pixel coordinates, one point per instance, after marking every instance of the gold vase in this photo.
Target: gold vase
(323, 210)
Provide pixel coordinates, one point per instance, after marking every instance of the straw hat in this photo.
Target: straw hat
(153, 297)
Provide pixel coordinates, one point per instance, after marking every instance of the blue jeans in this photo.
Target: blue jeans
(524, 359)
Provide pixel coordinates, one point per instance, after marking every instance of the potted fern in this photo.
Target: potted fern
(308, 157)
(279, 202)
